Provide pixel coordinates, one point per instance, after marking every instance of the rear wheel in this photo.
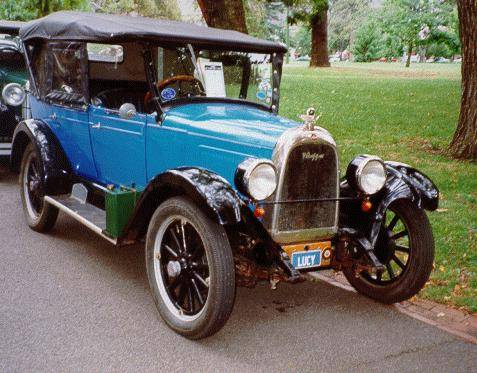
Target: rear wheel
(190, 269)
(406, 248)
(40, 215)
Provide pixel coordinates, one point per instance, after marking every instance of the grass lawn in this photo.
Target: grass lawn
(408, 115)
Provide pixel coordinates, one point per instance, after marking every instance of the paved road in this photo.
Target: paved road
(70, 301)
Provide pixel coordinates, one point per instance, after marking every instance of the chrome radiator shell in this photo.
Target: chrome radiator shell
(284, 217)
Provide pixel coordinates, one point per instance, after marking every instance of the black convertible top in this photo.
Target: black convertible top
(10, 27)
(98, 27)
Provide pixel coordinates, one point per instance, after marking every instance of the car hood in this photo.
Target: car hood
(242, 127)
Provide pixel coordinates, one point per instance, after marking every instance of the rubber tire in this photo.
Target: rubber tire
(421, 259)
(221, 298)
(49, 214)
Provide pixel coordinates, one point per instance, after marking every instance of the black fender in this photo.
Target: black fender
(403, 182)
(212, 193)
(56, 169)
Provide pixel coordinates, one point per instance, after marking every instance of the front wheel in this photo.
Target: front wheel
(405, 246)
(190, 269)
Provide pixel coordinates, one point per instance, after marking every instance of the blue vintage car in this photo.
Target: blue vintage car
(168, 133)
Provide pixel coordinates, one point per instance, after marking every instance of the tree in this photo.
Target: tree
(276, 20)
(314, 13)
(464, 143)
(25, 10)
(415, 21)
(368, 42)
(225, 14)
(405, 19)
(346, 16)
(146, 8)
(256, 18)
(301, 40)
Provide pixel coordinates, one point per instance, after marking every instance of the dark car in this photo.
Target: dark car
(168, 133)
(13, 78)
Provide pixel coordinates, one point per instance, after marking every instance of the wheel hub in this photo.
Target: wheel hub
(173, 268)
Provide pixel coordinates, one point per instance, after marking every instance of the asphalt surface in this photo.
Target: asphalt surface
(70, 301)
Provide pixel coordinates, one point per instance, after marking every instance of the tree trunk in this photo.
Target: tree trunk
(319, 40)
(44, 8)
(409, 53)
(464, 143)
(225, 14)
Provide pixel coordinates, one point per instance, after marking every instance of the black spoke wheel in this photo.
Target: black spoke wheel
(393, 249)
(190, 269)
(183, 266)
(40, 216)
(405, 246)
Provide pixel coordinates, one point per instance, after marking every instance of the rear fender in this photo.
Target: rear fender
(56, 170)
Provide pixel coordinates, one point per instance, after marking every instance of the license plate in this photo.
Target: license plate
(306, 259)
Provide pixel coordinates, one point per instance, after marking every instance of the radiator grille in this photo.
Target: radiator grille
(311, 172)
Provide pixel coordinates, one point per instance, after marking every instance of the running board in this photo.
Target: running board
(92, 217)
(5, 148)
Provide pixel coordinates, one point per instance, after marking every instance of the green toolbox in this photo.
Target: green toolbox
(120, 203)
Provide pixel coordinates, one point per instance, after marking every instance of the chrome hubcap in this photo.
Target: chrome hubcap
(173, 268)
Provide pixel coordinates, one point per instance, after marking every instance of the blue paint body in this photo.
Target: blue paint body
(109, 150)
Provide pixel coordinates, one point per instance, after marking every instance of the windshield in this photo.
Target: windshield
(184, 72)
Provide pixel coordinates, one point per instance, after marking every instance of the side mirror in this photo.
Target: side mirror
(127, 111)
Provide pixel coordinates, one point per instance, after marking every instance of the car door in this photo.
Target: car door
(63, 103)
(118, 146)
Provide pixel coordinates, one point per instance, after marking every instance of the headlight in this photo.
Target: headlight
(256, 178)
(366, 173)
(13, 94)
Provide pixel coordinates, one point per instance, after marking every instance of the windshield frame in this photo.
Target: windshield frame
(276, 60)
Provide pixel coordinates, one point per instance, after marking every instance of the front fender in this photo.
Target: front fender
(403, 182)
(420, 187)
(56, 170)
(212, 193)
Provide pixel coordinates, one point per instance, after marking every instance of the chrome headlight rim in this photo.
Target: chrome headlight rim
(244, 173)
(355, 173)
(7, 95)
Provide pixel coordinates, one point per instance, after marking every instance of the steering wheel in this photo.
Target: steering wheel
(165, 82)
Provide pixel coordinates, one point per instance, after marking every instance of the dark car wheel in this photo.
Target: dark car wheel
(190, 269)
(406, 247)
(40, 215)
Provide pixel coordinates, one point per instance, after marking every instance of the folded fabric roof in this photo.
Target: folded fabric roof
(98, 27)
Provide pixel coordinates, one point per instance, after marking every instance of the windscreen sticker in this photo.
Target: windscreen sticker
(168, 94)
(264, 90)
(261, 95)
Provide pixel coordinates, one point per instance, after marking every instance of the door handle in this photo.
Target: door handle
(96, 126)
